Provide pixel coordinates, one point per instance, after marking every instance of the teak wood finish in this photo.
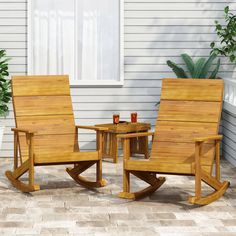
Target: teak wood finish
(137, 145)
(46, 134)
(186, 140)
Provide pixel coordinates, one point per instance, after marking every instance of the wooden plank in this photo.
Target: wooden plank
(193, 90)
(157, 166)
(63, 158)
(52, 124)
(126, 127)
(189, 111)
(174, 131)
(48, 144)
(42, 105)
(171, 152)
(40, 85)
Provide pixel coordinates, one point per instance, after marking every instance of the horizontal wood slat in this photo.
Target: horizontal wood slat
(42, 105)
(40, 85)
(189, 111)
(181, 152)
(60, 124)
(173, 131)
(193, 90)
(163, 167)
(48, 144)
(59, 158)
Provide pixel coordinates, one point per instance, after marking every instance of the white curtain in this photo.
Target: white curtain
(76, 37)
(54, 37)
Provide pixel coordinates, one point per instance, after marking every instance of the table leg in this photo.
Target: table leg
(105, 145)
(114, 148)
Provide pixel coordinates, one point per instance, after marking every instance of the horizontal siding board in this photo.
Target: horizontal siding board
(162, 60)
(166, 52)
(13, 29)
(169, 38)
(13, 21)
(19, 6)
(13, 14)
(16, 52)
(168, 45)
(170, 22)
(150, 68)
(14, 45)
(181, 6)
(8, 38)
(179, 1)
(157, 29)
(13, 1)
(115, 91)
(176, 14)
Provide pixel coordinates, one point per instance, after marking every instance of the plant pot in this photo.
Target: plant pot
(1, 135)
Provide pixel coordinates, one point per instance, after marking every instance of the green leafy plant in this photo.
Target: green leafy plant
(5, 94)
(227, 36)
(199, 69)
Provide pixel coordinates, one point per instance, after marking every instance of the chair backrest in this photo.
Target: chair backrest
(43, 104)
(189, 108)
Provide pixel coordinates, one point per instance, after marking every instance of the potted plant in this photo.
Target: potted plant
(227, 35)
(199, 69)
(5, 94)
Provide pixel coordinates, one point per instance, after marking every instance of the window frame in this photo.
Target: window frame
(81, 83)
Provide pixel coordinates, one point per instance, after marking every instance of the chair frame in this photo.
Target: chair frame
(80, 165)
(155, 183)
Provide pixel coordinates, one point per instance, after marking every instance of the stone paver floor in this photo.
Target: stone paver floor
(64, 208)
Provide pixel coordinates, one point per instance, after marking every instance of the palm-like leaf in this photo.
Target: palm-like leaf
(180, 73)
(207, 65)
(189, 63)
(198, 67)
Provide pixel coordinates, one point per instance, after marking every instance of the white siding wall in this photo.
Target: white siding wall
(155, 30)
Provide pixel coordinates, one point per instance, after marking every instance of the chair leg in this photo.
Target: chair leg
(100, 180)
(126, 181)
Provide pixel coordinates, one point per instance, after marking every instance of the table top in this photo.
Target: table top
(126, 127)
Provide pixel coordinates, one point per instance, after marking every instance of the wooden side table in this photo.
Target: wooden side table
(137, 145)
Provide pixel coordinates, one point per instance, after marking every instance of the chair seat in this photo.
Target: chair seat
(65, 157)
(166, 165)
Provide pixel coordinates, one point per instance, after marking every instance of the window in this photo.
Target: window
(82, 38)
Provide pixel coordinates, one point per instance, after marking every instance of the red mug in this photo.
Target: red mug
(116, 118)
(134, 117)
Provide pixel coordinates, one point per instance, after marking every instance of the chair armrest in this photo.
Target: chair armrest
(96, 128)
(22, 131)
(208, 138)
(135, 135)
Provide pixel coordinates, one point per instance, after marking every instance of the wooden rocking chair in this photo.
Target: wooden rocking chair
(46, 134)
(186, 140)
